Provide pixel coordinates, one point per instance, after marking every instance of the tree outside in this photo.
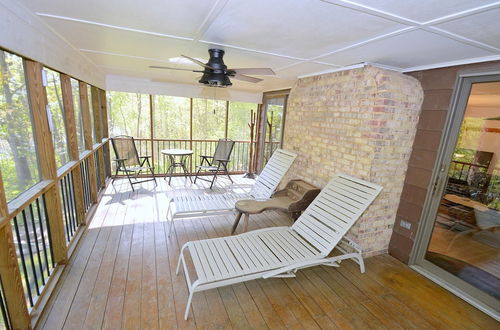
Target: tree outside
(18, 160)
(171, 117)
(57, 124)
(75, 89)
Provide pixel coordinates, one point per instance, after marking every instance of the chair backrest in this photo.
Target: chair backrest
(270, 177)
(124, 147)
(334, 211)
(223, 150)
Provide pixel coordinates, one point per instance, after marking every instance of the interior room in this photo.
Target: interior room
(249, 164)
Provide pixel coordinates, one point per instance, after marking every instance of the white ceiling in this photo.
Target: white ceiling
(293, 37)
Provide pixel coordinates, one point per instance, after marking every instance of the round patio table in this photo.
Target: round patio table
(177, 158)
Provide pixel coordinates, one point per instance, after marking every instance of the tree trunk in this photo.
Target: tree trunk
(139, 109)
(16, 137)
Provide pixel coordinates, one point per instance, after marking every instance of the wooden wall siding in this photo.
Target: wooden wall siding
(46, 157)
(438, 87)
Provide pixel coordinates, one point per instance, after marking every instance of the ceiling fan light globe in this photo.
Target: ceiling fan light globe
(215, 79)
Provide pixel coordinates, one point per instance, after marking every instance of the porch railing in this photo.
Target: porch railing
(32, 223)
(462, 170)
(239, 159)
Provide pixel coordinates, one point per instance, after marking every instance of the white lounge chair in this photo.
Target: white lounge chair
(215, 204)
(281, 251)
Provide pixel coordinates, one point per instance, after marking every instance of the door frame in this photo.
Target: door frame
(417, 261)
(262, 127)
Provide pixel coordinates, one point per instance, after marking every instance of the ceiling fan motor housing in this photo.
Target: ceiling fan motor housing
(218, 77)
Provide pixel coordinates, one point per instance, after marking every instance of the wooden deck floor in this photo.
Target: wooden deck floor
(122, 275)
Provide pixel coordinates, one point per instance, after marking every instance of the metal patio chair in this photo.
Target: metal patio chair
(217, 164)
(128, 160)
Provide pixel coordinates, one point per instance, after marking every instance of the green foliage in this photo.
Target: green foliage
(54, 99)
(239, 118)
(75, 89)
(18, 160)
(171, 117)
(209, 119)
(129, 114)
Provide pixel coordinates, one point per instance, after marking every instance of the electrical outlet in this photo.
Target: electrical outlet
(405, 224)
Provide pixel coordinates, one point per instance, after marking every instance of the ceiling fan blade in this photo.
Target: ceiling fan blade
(170, 68)
(246, 78)
(198, 62)
(256, 71)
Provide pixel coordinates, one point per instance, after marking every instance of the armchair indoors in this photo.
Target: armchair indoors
(217, 164)
(128, 160)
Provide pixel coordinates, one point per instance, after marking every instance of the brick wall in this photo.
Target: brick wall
(360, 122)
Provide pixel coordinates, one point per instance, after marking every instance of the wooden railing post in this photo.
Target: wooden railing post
(191, 133)
(151, 128)
(9, 271)
(46, 157)
(226, 123)
(74, 154)
(96, 106)
(105, 129)
(87, 133)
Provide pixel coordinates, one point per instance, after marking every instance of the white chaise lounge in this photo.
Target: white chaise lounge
(281, 251)
(215, 204)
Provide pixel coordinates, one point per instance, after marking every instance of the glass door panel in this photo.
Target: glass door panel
(465, 238)
(274, 109)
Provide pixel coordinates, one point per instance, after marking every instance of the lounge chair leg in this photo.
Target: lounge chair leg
(171, 226)
(178, 264)
(188, 306)
(361, 263)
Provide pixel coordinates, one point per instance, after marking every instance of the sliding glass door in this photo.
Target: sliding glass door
(459, 245)
(273, 123)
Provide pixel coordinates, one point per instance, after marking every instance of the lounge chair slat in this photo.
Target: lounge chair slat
(224, 249)
(282, 251)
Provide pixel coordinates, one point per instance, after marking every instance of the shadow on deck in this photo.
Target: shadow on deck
(122, 275)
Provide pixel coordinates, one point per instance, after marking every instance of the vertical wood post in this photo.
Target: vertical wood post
(74, 154)
(105, 128)
(9, 271)
(226, 123)
(151, 128)
(87, 133)
(46, 157)
(259, 138)
(191, 133)
(96, 106)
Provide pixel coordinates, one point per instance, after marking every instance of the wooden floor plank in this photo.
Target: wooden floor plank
(122, 275)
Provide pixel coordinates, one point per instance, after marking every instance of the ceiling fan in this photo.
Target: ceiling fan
(216, 73)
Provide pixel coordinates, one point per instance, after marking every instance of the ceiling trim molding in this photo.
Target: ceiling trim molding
(210, 18)
(358, 44)
(459, 38)
(452, 63)
(372, 11)
(464, 13)
(252, 50)
(344, 68)
(115, 27)
(429, 26)
(124, 55)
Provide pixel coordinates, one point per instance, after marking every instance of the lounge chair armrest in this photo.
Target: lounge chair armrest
(148, 156)
(204, 156)
(120, 159)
